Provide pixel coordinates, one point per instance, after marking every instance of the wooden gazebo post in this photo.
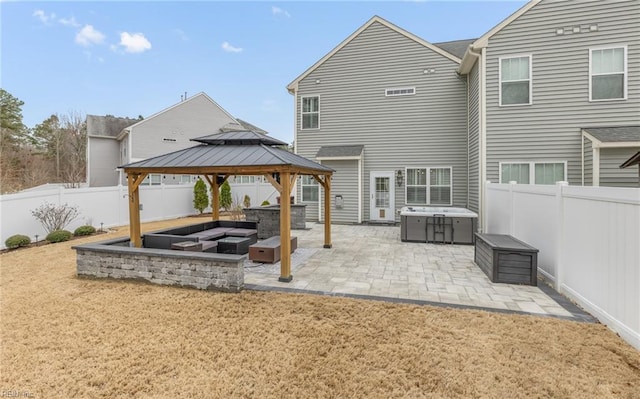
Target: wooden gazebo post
(285, 228)
(325, 182)
(133, 183)
(215, 194)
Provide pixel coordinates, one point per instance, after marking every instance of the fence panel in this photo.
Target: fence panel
(589, 242)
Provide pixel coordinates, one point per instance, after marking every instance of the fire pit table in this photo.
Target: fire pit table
(234, 245)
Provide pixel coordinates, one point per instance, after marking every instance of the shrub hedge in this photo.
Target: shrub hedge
(17, 240)
(59, 236)
(84, 231)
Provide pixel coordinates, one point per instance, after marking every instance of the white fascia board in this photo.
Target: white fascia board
(595, 143)
(348, 158)
(291, 87)
(620, 144)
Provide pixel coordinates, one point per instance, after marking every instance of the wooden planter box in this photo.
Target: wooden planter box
(505, 259)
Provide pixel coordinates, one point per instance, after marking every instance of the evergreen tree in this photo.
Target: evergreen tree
(200, 197)
(225, 196)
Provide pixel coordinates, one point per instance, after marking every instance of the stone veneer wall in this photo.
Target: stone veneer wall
(268, 219)
(219, 272)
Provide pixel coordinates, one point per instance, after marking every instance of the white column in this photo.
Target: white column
(560, 234)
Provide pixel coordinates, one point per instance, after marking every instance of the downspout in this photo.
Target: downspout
(470, 57)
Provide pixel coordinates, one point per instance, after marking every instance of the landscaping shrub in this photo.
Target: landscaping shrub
(265, 203)
(59, 236)
(246, 202)
(200, 197)
(55, 217)
(16, 241)
(225, 196)
(84, 231)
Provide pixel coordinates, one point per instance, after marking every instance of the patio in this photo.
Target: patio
(371, 261)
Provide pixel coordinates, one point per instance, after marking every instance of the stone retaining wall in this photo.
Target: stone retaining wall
(219, 272)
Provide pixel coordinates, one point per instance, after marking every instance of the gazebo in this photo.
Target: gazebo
(221, 155)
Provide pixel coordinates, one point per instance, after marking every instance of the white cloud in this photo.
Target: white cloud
(279, 11)
(69, 22)
(180, 33)
(89, 36)
(134, 42)
(230, 49)
(43, 17)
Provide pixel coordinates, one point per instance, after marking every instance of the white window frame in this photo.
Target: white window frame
(532, 169)
(302, 113)
(625, 72)
(428, 184)
(400, 91)
(186, 179)
(530, 80)
(313, 183)
(246, 179)
(148, 181)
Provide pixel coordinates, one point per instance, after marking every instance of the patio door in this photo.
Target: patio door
(382, 196)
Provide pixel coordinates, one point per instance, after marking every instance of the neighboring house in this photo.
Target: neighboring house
(550, 94)
(117, 141)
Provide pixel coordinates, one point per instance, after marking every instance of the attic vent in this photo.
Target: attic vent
(402, 91)
(169, 140)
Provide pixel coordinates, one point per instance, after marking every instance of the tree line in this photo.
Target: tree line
(53, 151)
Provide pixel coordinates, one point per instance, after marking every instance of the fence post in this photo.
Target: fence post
(559, 255)
(512, 207)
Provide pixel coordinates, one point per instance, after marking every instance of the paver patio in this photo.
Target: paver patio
(372, 261)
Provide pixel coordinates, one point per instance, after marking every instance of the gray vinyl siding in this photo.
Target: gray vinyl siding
(610, 172)
(192, 118)
(427, 129)
(474, 144)
(550, 128)
(588, 162)
(311, 211)
(345, 183)
(104, 158)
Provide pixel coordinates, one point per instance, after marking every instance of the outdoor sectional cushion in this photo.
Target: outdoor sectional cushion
(211, 234)
(241, 232)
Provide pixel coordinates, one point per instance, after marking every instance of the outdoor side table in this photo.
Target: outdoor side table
(234, 245)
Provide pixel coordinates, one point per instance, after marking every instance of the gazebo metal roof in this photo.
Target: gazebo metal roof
(232, 152)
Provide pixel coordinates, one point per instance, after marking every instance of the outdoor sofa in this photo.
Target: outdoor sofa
(207, 233)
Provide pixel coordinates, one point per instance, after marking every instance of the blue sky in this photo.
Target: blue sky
(137, 58)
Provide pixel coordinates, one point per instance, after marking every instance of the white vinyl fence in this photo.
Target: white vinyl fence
(589, 242)
(109, 205)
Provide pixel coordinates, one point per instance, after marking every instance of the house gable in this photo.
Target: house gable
(293, 85)
(171, 129)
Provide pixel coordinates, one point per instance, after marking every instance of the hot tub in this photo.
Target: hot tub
(438, 224)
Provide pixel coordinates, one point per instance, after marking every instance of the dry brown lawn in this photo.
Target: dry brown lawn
(67, 337)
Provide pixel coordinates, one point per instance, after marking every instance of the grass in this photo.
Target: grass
(61, 336)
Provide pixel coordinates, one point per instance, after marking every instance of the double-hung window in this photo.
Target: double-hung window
(309, 188)
(311, 112)
(608, 73)
(515, 80)
(242, 179)
(533, 172)
(428, 186)
(152, 179)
